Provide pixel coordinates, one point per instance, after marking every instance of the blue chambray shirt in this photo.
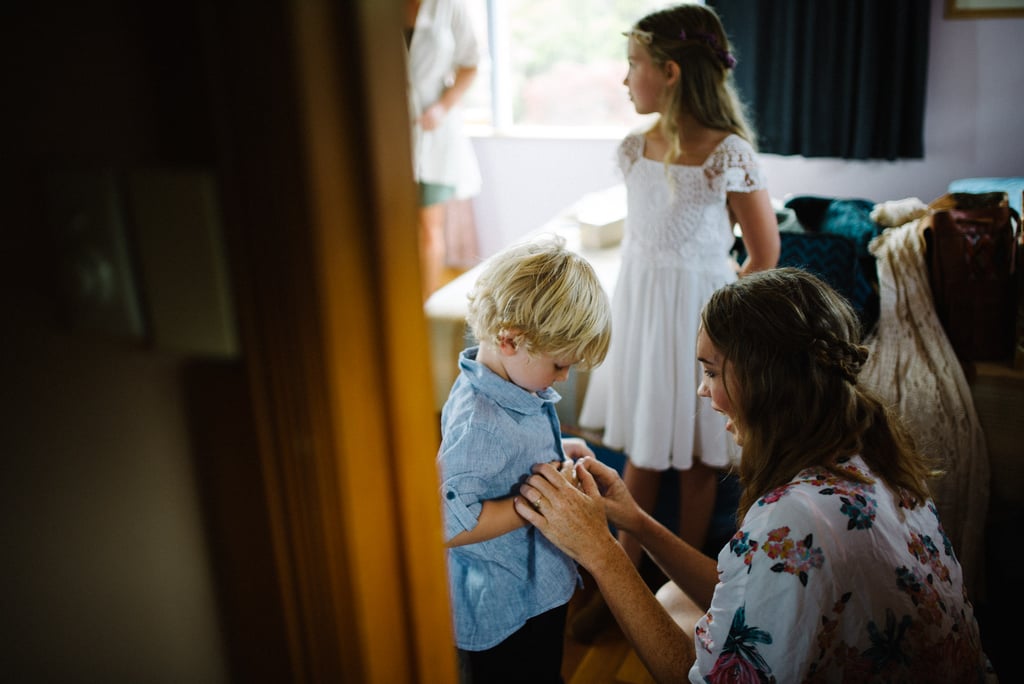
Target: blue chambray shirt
(492, 433)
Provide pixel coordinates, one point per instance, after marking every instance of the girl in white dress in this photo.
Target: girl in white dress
(688, 179)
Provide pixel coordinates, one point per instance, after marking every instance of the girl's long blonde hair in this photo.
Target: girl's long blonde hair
(692, 36)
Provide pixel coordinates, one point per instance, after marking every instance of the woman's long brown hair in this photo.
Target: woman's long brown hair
(793, 347)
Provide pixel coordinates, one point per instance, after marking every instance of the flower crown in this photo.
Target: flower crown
(709, 39)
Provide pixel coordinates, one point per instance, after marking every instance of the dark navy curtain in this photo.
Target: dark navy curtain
(832, 78)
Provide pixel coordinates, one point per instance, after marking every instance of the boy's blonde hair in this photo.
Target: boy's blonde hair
(549, 296)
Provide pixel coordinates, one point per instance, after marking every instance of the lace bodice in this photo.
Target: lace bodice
(675, 254)
(677, 216)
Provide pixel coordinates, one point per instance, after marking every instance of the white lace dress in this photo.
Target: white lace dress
(675, 253)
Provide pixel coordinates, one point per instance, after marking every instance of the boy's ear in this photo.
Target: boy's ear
(507, 342)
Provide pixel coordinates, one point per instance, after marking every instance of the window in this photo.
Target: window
(555, 67)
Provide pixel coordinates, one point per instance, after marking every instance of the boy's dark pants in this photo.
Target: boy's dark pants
(532, 654)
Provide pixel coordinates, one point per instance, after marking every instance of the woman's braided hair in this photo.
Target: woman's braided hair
(791, 345)
(843, 357)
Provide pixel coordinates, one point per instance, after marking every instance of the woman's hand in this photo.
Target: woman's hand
(573, 519)
(567, 469)
(575, 449)
(619, 506)
(432, 116)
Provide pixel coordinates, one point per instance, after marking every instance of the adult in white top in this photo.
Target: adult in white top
(443, 53)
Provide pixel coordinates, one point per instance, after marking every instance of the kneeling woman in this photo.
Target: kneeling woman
(840, 570)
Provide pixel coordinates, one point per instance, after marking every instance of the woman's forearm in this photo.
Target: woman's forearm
(464, 77)
(432, 116)
(576, 521)
(695, 573)
(666, 651)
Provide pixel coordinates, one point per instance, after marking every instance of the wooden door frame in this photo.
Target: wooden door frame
(320, 209)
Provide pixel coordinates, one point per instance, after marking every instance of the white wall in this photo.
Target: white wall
(973, 115)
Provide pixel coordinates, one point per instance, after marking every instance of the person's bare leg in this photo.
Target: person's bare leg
(680, 606)
(432, 251)
(698, 487)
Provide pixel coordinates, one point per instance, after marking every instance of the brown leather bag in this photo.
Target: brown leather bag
(972, 268)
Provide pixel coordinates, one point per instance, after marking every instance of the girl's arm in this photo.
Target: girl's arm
(497, 517)
(753, 211)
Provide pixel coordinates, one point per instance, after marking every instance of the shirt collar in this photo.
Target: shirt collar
(508, 395)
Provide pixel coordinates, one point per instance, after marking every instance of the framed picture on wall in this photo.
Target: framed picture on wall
(984, 9)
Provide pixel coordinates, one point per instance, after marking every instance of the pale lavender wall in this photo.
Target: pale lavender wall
(974, 110)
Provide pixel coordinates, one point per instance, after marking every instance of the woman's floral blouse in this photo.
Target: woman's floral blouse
(832, 580)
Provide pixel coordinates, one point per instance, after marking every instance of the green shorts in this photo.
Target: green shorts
(433, 193)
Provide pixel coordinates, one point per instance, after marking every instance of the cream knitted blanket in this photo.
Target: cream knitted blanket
(913, 366)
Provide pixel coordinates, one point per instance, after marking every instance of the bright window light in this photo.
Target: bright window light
(554, 67)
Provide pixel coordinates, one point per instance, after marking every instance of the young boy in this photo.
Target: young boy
(536, 310)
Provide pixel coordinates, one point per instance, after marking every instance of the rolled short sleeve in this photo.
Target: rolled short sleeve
(470, 463)
(462, 498)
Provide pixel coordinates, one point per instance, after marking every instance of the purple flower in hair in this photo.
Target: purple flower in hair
(711, 40)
